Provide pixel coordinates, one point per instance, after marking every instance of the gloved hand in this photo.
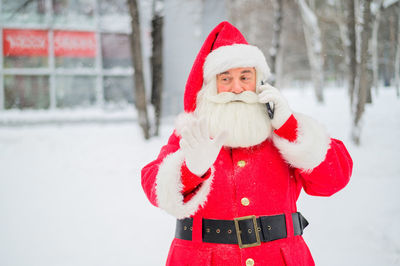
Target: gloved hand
(199, 150)
(281, 108)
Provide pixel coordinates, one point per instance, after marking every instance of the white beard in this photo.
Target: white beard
(246, 123)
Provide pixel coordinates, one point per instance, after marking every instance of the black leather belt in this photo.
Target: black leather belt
(247, 231)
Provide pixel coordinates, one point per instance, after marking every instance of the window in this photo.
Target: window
(118, 91)
(62, 54)
(74, 13)
(74, 91)
(25, 48)
(22, 11)
(114, 15)
(116, 51)
(74, 49)
(26, 92)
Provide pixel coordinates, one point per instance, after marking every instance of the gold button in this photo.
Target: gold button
(245, 201)
(249, 262)
(241, 163)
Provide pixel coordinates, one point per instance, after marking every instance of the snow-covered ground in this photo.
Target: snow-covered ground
(71, 194)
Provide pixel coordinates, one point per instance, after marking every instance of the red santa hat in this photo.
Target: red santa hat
(224, 48)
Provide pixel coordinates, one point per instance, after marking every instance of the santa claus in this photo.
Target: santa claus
(230, 173)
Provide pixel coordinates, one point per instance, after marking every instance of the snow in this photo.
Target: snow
(388, 3)
(272, 51)
(71, 194)
(159, 7)
(79, 115)
(115, 22)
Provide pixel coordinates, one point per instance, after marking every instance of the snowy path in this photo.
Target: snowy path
(71, 195)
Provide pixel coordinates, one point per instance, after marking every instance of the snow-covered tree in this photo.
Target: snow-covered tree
(136, 50)
(347, 27)
(363, 79)
(274, 51)
(376, 11)
(397, 57)
(157, 23)
(312, 34)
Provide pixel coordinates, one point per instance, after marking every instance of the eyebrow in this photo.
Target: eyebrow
(243, 72)
(224, 73)
(246, 71)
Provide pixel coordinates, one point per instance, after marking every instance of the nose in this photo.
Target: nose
(237, 87)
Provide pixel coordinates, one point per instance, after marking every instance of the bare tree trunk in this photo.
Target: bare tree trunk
(157, 61)
(374, 43)
(363, 78)
(276, 42)
(341, 21)
(312, 34)
(397, 57)
(351, 47)
(136, 50)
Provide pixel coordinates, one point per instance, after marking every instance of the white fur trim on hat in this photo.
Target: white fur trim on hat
(234, 56)
(310, 147)
(169, 187)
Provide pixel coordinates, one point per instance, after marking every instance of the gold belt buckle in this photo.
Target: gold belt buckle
(238, 232)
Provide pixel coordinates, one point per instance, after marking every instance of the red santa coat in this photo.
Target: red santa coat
(269, 175)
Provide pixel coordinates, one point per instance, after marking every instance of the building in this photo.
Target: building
(64, 54)
(74, 54)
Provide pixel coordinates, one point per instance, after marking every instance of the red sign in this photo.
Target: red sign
(74, 44)
(25, 42)
(35, 43)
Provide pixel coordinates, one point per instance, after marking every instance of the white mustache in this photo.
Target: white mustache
(225, 97)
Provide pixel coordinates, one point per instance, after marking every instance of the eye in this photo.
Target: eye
(225, 79)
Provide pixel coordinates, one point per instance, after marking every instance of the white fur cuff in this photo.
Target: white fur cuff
(169, 187)
(310, 148)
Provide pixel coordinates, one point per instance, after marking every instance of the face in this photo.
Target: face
(240, 114)
(237, 80)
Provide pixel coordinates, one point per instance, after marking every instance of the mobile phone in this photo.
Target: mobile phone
(269, 108)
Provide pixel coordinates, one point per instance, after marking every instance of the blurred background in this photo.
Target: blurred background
(89, 90)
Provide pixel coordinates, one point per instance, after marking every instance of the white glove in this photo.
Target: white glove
(199, 150)
(281, 108)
